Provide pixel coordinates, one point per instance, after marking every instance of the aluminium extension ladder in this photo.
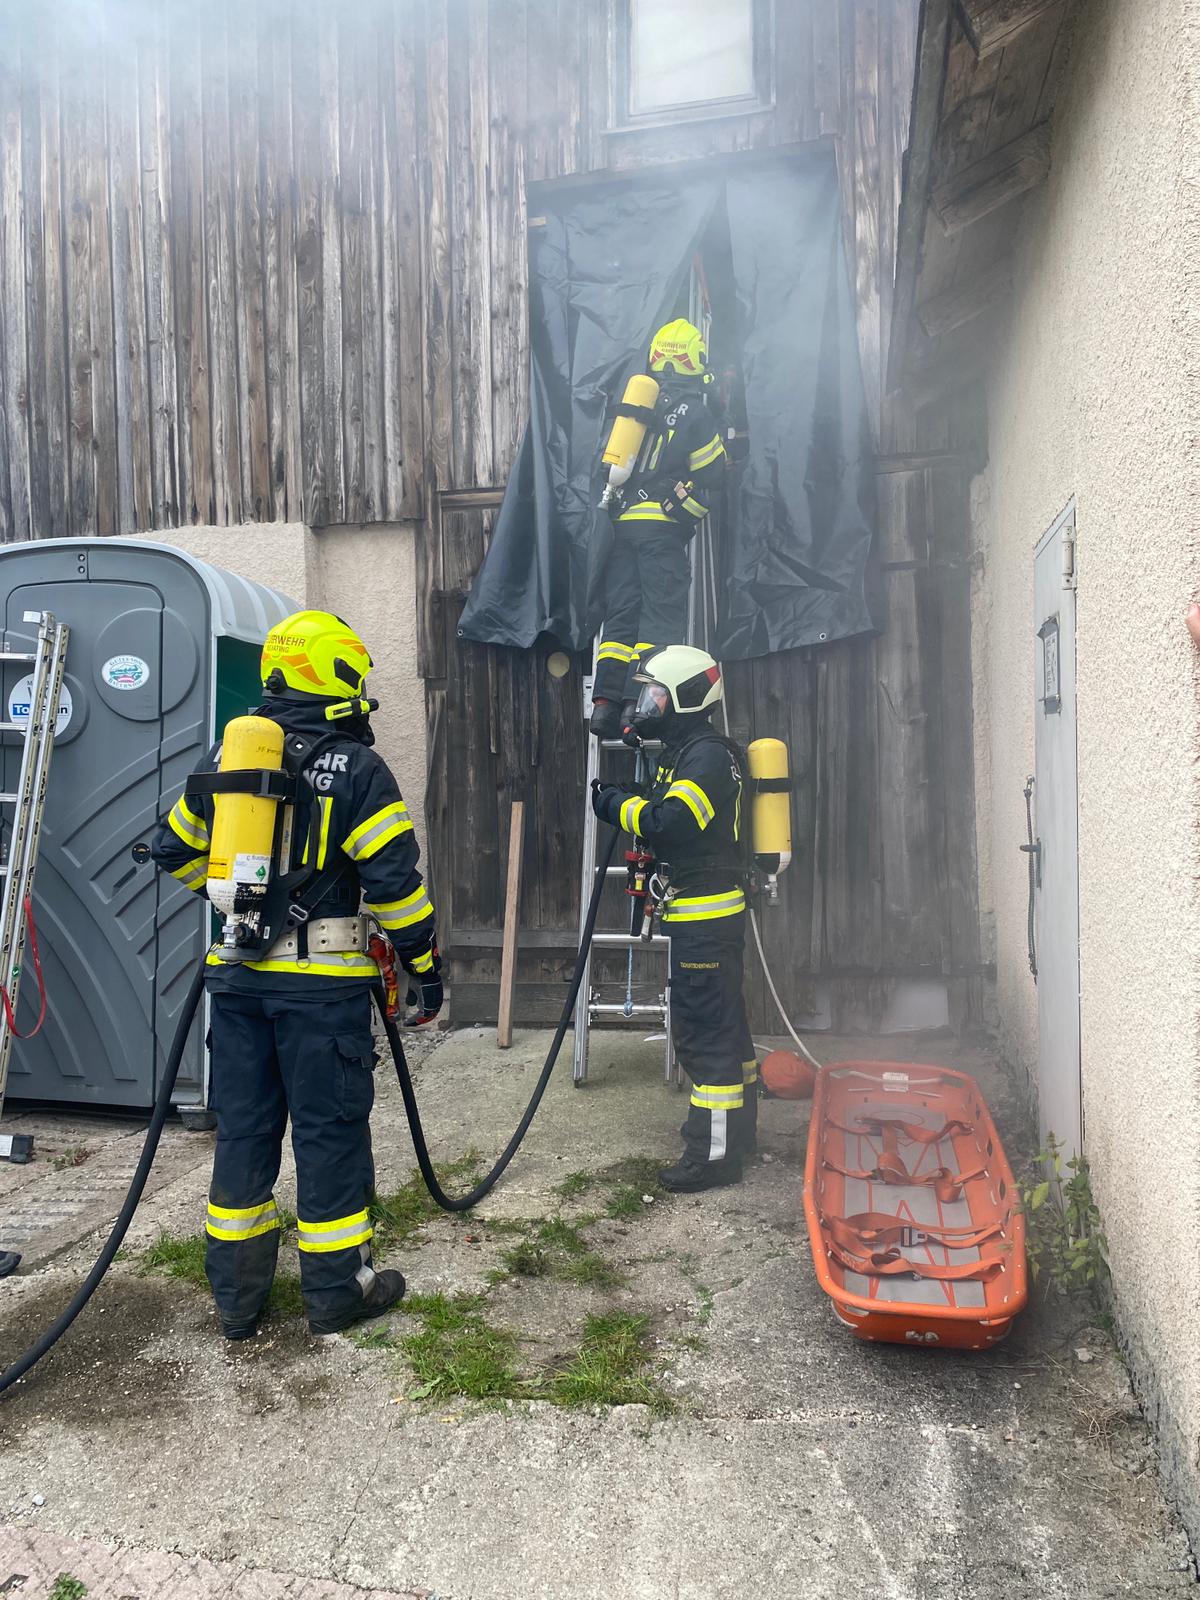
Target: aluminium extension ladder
(47, 661)
(589, 1006)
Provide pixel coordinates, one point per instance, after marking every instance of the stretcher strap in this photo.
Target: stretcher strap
(945, 1184)
(891, 1264)
(869, 1126)
(868, 1229)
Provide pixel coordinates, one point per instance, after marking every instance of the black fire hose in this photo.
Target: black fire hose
(162, 1107)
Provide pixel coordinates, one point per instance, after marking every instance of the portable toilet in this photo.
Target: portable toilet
(163, 650)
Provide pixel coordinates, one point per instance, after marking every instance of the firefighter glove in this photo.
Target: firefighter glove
(425, 995)
(606, 800)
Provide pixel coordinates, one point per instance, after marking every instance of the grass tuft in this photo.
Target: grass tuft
(457, 1352)
(184, 1259)
(566, 1236)
(625, 1201)
(397, 1216)
(610, 1367)
(591, 1269)
(526, 1260)
(67, 1588)
(374, 1339)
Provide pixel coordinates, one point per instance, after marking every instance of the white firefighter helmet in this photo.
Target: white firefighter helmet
(679, 679)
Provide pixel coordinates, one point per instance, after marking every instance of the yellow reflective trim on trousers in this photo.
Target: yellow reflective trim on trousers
(382, 826)
(341, 1234)
(631, 812)
(346, 964)
(750, 1071)
(718, 1096)
(395, 914)
(707, 454)
(703, 908)
(610, 650)
(640, 649)
(235, 1223)
(186, 825)
(193, 874)
(694, 797)
(423, 963)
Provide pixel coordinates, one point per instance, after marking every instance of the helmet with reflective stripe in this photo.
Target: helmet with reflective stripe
(680, 679)
(316, 653)
(679, 347)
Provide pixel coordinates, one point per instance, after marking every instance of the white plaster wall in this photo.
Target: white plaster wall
(1094, 394)
(366, 575)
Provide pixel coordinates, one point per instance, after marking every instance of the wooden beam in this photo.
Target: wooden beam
(512, 912)
(470, 499)
(992, 182)
(990, 24)
(932, 36)
(963, 302)
(473, 942)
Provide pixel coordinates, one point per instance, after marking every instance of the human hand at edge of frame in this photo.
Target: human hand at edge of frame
(1191, 618)
(607, 799)
(425, 993)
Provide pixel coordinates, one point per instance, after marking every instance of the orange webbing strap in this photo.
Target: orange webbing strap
(891, 1264)
(868, 1229)
(891, 1169)
(869, 1126)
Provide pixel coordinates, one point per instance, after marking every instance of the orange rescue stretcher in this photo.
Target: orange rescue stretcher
(914, 1218)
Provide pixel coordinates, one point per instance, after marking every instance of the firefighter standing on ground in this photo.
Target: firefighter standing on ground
(291, 1033)
(692, 821)
(647, 574)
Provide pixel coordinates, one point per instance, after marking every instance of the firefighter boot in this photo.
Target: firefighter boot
(606, 719)
(386, 1292)
(690, 1176)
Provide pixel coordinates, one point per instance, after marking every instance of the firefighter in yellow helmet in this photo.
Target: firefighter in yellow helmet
(664, 503)
(291, 1033)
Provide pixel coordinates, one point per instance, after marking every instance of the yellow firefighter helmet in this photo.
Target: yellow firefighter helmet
(316, 653)
(679, 347)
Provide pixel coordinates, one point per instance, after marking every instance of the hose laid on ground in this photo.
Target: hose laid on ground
(162, 1107)
(112, 1244)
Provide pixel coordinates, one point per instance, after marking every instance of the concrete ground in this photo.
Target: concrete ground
(769, 1453)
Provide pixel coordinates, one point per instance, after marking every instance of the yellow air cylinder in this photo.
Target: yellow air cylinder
(243, 835)
(629, 431)
(772, 805)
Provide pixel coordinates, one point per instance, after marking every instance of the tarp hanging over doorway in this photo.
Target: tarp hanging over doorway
(605, 270)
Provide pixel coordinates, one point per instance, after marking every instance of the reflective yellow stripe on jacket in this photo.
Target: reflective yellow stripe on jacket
(704, 907)
(694, 798)
(343, 1232)
(393, 914)
(193, 874)
(186, 825)
(369, 838)
(330, 964)
(631, 812)
(707, 454)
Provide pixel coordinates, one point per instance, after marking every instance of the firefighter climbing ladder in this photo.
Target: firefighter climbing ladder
(47, 662)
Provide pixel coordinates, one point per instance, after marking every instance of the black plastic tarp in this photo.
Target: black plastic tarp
(606, 269)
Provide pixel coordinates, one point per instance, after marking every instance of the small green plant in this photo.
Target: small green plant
(575, 1184)
(457, 1352)
(567, 1236)
(526, 1260)
(67, 1588)
(73, 1156)
(374, 1339)
(1064, 1236)
(625, 1201)
(610, 1367)
(590, 1269)
(397, 1216)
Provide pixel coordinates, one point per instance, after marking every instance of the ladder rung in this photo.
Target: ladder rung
(659, 939)
(615, 1009)
(8, 799)
(16, 655)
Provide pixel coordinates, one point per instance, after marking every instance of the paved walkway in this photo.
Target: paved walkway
(146, 1457)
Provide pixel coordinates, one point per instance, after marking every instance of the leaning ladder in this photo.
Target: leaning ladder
(590, 1007)
(47, 661)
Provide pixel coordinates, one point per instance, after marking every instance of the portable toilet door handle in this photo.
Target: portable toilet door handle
(1033, 850)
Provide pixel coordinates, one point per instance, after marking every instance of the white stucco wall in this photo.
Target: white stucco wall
(1094, 394)
(368, 576)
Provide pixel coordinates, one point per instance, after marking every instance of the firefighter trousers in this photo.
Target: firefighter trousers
(712, 1036)
(309, 1057)
(646, 580)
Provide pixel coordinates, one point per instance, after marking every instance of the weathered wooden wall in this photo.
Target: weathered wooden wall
(265, 260)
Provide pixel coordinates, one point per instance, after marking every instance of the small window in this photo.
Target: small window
(680, 60)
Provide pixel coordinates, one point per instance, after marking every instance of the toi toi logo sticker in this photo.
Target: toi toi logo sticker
(125, 672)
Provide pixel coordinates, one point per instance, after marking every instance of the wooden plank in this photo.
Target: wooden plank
(187, 177)
(51, 354)
(864, 137)
(350, 199)
(560, 941)
(14, 421)
(219, 271)
(967, 300)
(508, 243)
(993, 181)
(77, 203)
(132, 388)
(328, 29)
(512, 897)
(249, 81)
(993, 24)
(373, 56)
(310, 286)
(158, 244)
(404, 401)
(1022, 73)
(36, 31)
(827, 68)
(280, 245)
